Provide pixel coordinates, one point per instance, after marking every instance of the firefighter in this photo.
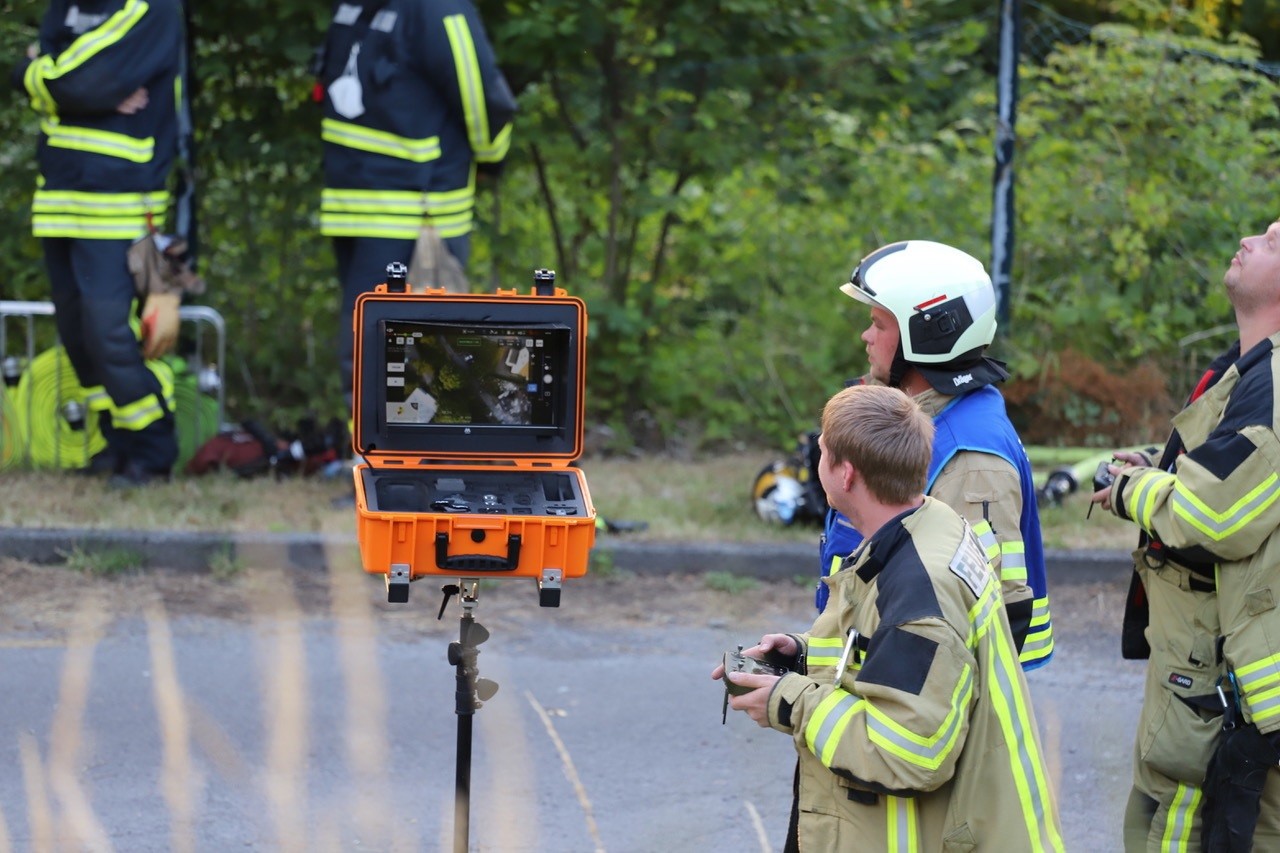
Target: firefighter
(105, 82)
(1208, 738)
(910, 713)
(400, 79)
(944, 300)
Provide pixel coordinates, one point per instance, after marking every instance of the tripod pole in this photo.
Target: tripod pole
(471, 692)
(465, 709)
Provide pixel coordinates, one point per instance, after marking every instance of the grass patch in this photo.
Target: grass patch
(224, 565)
(729, 582)
(109, 562)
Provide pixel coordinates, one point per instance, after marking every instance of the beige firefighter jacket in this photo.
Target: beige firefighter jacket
(1222, 502)
(985, 490)
(922, 736)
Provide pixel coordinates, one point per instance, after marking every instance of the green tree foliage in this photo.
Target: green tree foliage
(705, 174)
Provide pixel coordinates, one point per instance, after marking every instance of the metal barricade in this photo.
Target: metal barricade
(205, 322)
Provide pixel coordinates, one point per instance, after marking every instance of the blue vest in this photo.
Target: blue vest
(975, 421)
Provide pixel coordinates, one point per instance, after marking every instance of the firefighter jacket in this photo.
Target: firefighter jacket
(1221, 503)
(980, 470)
(911, 716)
(103, 173)
(424, 75)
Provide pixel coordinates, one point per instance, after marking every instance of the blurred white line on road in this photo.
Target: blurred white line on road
(570, 771)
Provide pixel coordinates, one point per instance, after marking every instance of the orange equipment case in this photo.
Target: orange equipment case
(468, 411)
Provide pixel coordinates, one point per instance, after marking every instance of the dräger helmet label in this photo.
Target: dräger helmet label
(962, 379)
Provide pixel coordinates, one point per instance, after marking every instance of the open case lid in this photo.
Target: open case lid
(479, 377)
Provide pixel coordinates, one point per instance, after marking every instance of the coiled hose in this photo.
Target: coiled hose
(13, 440)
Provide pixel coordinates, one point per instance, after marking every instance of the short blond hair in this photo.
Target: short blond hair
(885, 435)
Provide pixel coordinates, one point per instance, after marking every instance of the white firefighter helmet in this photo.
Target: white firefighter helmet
(777, 494)
(945, 306)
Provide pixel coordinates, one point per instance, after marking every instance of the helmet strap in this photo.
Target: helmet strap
(898, 369)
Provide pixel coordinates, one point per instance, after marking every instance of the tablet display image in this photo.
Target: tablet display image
(458, 375)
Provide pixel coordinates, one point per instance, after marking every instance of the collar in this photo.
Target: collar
(881, 547)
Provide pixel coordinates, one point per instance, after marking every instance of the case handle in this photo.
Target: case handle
(477, 562)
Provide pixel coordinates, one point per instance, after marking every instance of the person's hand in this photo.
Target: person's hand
(134, 103)
(783, 643)
(755, 703)
(1125, 457)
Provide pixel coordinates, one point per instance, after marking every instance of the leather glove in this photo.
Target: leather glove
(160, 323)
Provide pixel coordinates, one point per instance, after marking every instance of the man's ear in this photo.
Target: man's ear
(848, 475)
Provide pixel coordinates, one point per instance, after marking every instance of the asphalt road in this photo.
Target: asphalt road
(292, 711)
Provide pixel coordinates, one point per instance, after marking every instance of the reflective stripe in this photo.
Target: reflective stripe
(87, 227)
(1025, 762)
(117, 205)
(1219, 526)
(453, 201)
(453, 226)
(471, 89)
(96, 399)
(401, 202)
(903, 824)
(1259, 684)
(142, 413)
(1039, 641)
(828, 723)
(987, 539)
(33, 80)
(1177, 835)
(823, 651)
(96, 40)
(99, 142)
(1141, 501)
(1013, 562)
(924, 751)
(351, 225)
(362, 138)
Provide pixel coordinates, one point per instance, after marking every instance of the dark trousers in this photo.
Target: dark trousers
(362, 263)
(93, 295)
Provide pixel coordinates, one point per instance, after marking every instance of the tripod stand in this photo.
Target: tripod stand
(471, 692)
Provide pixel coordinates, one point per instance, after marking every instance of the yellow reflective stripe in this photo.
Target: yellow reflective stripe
(903, 824)
(98, 39)
(452, 226)
(99, 204)
(471, 89)
(33, 80)
(379, 141)
(1219, 526)
(927, 751)
(828, 723)
(87, 227)
(497, 151)
(1013, 561)
(448, 201)
(1141, 495)
(987, 538)
(96, 399)
(1039, 641)
(138, 414)
(399, 202)
(1259, 684)
(1027, 765)
(99, 142)
(823, 651)
(390, 227)
(1177, 836)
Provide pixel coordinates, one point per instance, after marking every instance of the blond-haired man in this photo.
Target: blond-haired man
(908, 707)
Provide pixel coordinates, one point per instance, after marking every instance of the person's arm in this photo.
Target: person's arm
(458, 57)
(104, 67)
(987, 492)
(1223, 496)
(904, 726)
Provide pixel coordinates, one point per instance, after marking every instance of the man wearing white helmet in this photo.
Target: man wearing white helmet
(932, 318)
